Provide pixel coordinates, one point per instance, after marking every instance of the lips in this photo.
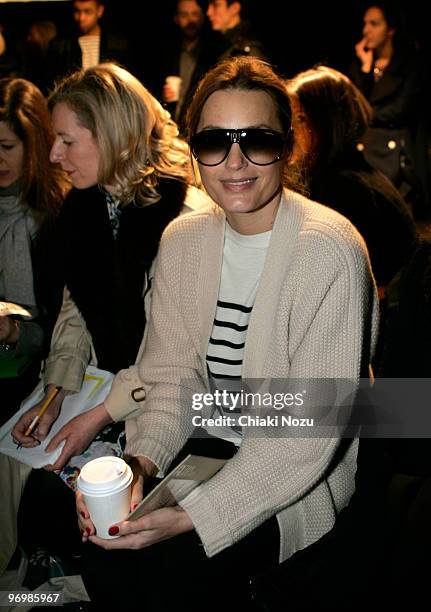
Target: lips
(238, 184)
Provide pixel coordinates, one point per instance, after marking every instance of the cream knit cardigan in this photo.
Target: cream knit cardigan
(315, 316)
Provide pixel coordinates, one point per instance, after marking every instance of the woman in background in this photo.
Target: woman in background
(131, 175)
(31, 193)
(330, 115)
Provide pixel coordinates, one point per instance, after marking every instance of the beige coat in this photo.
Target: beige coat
(315, 316)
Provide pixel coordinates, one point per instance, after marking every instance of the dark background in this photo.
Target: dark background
(296, 34)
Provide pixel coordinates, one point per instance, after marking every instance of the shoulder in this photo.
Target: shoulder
(81, 204)
(63, 44)
(191, 225)
(322, 220)
(189, 234)
(195, 199)
(114, 41)
(325, 235)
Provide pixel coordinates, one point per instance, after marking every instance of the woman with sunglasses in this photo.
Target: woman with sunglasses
(263, 285)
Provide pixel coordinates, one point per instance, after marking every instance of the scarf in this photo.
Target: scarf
(17, 229)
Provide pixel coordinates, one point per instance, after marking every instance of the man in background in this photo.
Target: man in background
(89, 44)
(188, 57)
(226, 17)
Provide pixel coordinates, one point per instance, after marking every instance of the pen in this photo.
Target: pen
(48, 401)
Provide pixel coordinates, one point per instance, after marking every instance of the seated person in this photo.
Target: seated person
(330, 115)
(31, 193)
(131, 175)
(265, 285)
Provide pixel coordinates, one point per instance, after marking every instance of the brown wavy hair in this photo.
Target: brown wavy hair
(24, 109)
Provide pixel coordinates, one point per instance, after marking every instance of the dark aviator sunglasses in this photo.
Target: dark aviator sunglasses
(260, 146)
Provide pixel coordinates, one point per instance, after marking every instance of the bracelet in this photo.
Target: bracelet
(7, 346)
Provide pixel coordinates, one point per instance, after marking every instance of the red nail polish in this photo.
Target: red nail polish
(133, 507)
(113, 530)
(88, 530)
(84, 516)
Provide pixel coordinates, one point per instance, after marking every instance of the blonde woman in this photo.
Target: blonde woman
(131, 176)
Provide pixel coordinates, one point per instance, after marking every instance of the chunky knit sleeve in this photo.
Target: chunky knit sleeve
(170, 370)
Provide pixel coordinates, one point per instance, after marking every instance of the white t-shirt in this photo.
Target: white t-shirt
(90, 48)
(243, 261)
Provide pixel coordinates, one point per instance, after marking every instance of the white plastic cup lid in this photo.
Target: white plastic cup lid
(104, 475)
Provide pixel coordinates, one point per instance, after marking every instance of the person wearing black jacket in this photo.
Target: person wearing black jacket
(89, 45)
(390, 73)
(330, 116)
(131, 176)
(226, 17)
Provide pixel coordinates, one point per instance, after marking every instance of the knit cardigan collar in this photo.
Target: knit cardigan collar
(285, 233)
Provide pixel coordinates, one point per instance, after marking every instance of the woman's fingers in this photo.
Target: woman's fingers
(84, 521)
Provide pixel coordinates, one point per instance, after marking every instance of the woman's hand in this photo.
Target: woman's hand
(78, 433)
(153, 527)
(85, 523)
(364, 55)
(149, 529)
(43, 426)
(9, 330)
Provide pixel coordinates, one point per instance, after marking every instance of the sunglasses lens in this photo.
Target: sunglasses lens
(262, 147)
(210, 146)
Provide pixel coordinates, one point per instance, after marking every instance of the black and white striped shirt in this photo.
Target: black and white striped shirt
(243, 261)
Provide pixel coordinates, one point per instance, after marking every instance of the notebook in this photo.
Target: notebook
(191, 472)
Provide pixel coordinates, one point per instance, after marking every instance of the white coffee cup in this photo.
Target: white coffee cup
(105, 484)
(174, 82)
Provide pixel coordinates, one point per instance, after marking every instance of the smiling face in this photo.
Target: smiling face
(376, 30)
(11, 156)
(249, 194)
(75, 148)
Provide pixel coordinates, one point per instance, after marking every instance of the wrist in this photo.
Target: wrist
(142, 465)
(102, 415)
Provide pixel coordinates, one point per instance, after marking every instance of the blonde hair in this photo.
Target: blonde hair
(138, 141)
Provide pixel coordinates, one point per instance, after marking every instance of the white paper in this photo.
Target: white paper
(95, 388)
